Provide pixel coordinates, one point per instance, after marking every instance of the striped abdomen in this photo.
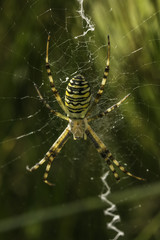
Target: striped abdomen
(77, 97)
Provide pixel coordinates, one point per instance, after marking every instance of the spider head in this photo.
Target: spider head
(78, 128)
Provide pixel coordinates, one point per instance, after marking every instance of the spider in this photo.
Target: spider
(77, 110)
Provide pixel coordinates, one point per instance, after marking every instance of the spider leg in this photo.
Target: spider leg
(125, 171)
(56, 94)
(106, 154)
(49, 107)
(51, 154)
(101, 148)
(104, 79)
(102, 114)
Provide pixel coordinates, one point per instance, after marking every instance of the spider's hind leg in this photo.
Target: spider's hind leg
(125, 171)
(106, 154)
(111, 167)
(51, 154)
(103, 151)
(36, 166)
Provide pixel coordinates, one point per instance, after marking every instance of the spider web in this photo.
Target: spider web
(79, 45)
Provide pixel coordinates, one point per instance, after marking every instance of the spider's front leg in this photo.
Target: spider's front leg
(49, 107)
(51, 154)
(103, 83)
(52, 85)
(106, 154)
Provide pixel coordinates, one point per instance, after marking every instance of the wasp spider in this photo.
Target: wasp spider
(77, 110)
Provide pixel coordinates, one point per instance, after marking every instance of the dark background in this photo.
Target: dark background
(72, 209)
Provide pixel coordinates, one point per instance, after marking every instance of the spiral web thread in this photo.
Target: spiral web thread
(111, 209)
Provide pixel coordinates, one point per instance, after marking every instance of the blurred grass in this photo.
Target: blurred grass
(151, 229)
(87, 204)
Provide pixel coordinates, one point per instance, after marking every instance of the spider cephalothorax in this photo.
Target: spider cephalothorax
(77, 110)
(78, 128)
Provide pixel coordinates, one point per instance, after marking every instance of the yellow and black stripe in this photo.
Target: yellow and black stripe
(49, 107)
(77, 97)
(51, 154)
(101, 148)
(105, 75)
(52, 85)
(104, 79)
(102, 114)
(106, 154)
